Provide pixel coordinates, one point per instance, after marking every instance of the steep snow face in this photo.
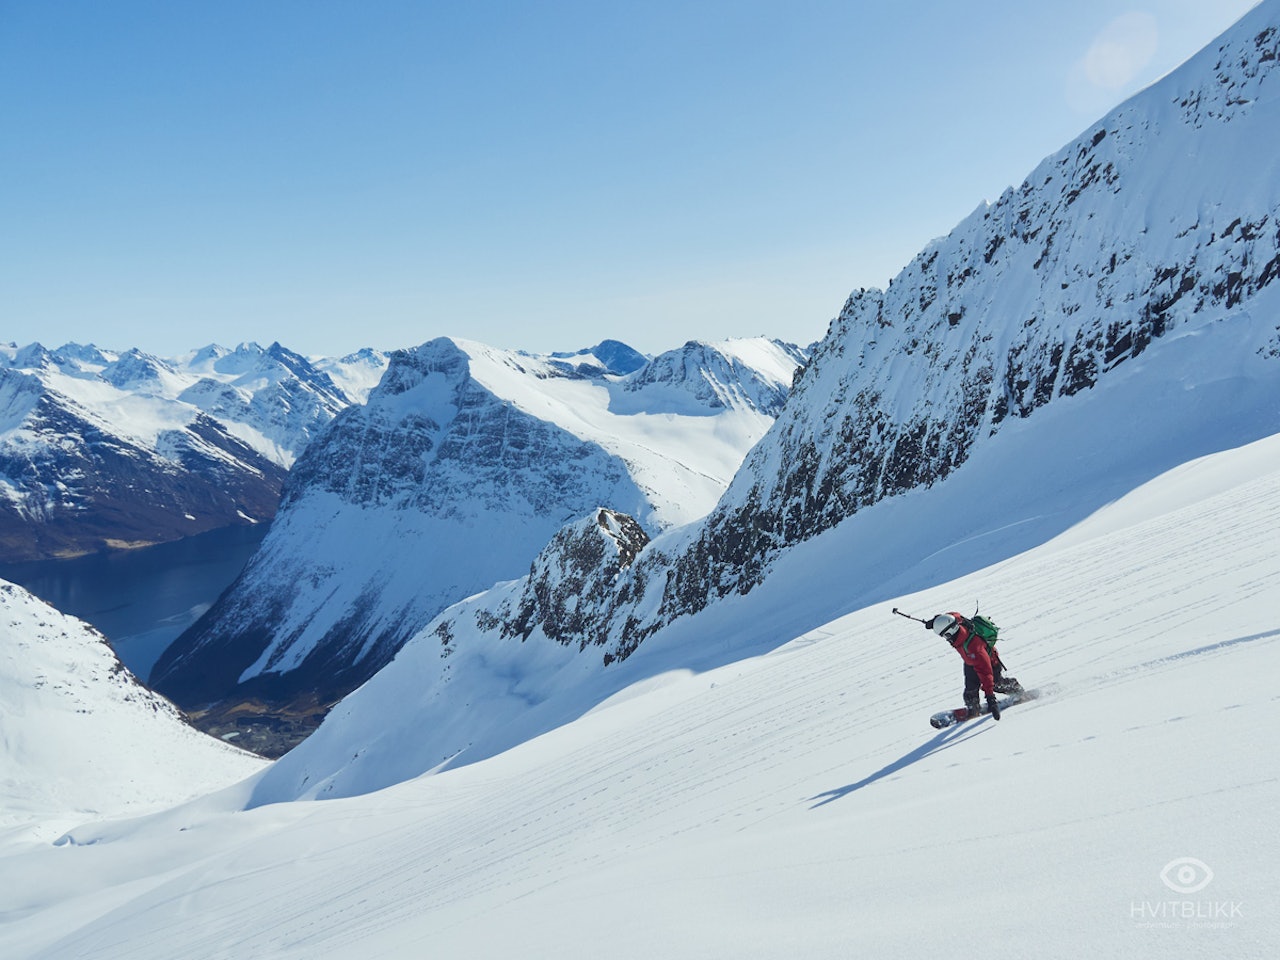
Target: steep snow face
(1179, 567)
(464, 462)
(788, 804)
(80, 737)
(104, 449)
(794, 804)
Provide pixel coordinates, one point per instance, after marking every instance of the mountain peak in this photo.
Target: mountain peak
(606, 357)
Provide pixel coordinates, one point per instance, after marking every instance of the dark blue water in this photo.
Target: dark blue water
(142, 599)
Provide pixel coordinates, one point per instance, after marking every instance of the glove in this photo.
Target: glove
(994, 706)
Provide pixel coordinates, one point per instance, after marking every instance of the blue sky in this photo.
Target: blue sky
(335, 175)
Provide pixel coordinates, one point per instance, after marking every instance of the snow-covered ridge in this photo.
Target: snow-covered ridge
(459, 469)
(206, 437)
(81, 737)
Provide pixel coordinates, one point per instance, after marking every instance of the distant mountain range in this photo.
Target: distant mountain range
(102, 449)
(462, 464)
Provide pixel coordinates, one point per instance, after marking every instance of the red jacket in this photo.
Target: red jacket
(973, 650)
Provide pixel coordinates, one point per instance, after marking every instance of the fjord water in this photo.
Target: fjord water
(142, 599)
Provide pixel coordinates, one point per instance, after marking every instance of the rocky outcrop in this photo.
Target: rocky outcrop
(582, 561)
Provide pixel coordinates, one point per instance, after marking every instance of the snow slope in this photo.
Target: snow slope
(1156, 230)
(80, 737)
(794, 803)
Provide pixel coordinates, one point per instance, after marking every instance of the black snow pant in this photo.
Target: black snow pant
(973, 685)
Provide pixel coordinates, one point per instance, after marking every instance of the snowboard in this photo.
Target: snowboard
(949, 718)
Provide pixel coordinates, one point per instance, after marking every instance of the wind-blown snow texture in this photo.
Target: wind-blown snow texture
(105, 449)
(462, 465)
(81, 737)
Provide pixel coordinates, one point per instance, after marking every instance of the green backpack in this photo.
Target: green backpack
(985, 629)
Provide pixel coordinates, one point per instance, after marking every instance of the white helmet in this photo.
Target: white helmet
(944, 625)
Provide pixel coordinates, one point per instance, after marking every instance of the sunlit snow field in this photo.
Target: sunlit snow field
(795, 803)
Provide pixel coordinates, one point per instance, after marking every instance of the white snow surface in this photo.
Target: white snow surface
(80, 737)
(791, 802)
(1035, 480)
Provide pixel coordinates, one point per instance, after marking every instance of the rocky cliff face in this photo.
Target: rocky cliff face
(101, 449)
(465, 461)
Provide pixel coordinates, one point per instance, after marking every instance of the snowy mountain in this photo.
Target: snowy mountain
(461, 466)
(81, 737)
(100, 449)
(757, 778)
(776, 800)
(1013, 380)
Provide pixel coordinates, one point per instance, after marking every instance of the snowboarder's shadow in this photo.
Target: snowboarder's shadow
(940, 741)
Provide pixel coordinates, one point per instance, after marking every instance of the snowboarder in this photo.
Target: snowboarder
(982, 666)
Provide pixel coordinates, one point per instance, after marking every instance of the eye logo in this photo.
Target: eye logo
(1186, 875)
